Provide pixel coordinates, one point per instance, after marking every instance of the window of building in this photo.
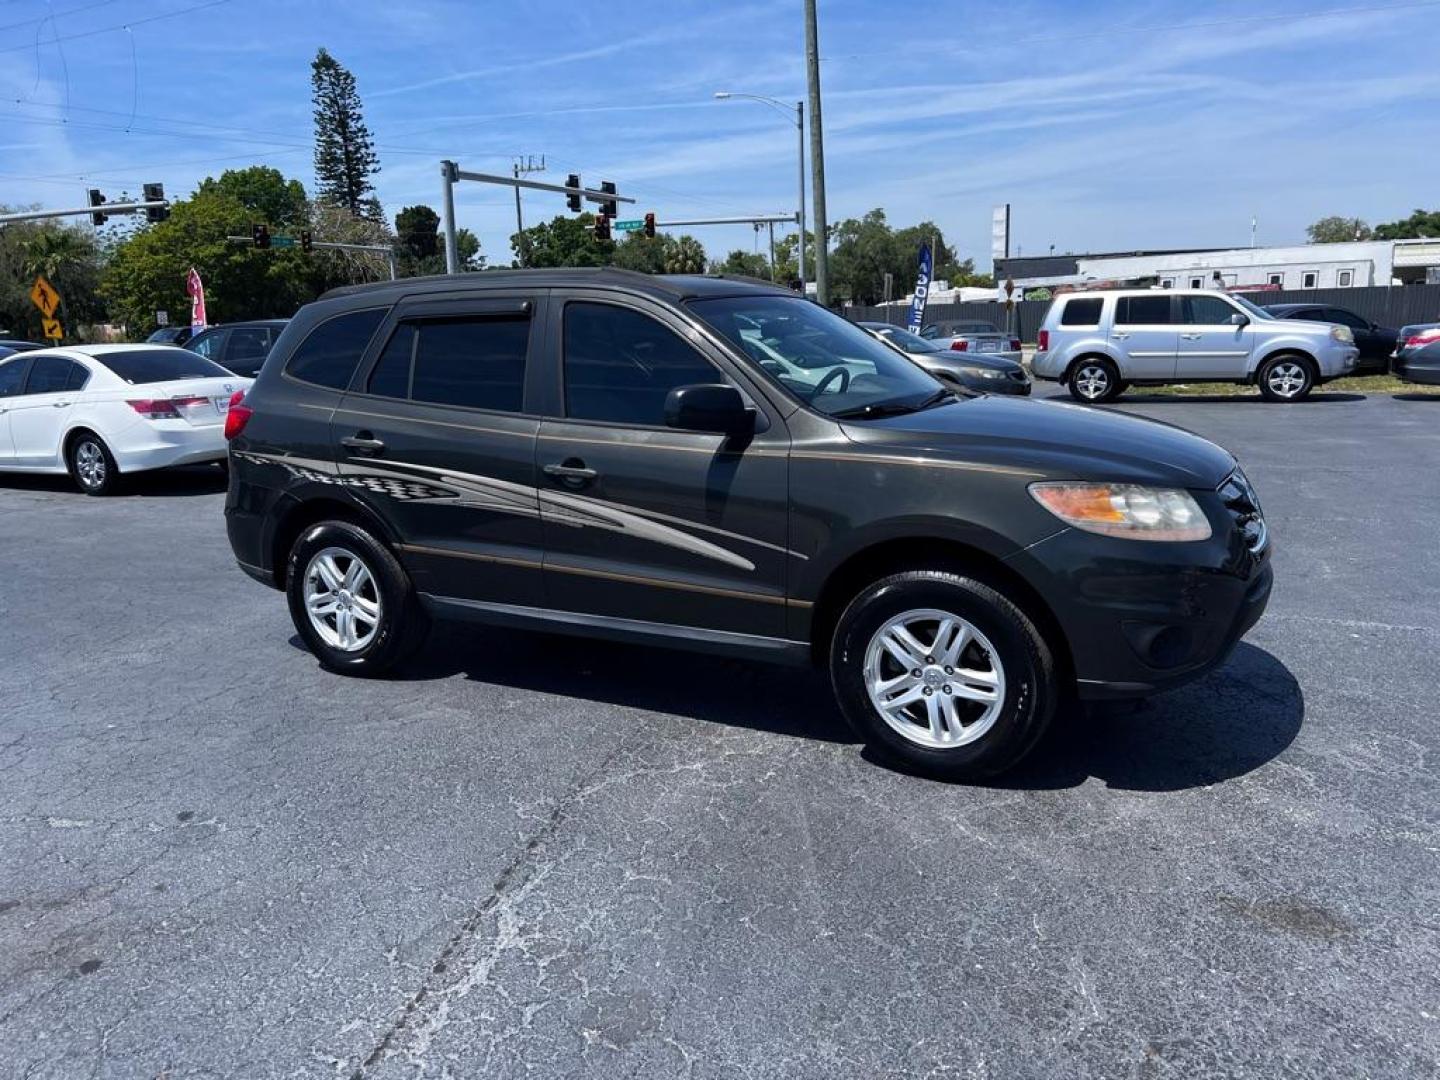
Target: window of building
(332, 352)
(620, 365)
(1276, 279)
(1346, 279)
(1310, 279)
(1197, 283)
(1080, 312)
(1143, 310)
(474, 363)
(1167, 282)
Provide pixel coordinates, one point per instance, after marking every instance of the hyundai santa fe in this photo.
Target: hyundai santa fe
(715, 464)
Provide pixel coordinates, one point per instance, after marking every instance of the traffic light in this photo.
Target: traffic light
(261, 235)
(307, 242)
(610, 208)
(650, 224)
(98, 199)
(573, 199)
(602, 227)
(155, 193)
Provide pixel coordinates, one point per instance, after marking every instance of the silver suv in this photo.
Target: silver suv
(1100, 343)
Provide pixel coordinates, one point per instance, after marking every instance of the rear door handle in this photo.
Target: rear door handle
(363, 443)
(571, 469)
(60, 404)
(1189, 337)
(1119, 335)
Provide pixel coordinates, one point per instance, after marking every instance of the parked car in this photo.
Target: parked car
(1374, 341)
(1100, 343)
(170, 335)
(991, 374)
(974, 336)
(238, 347)
(96, 411)
(1417, 357)
(597, 452)
(11, 346)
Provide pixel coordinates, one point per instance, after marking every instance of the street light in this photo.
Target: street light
(798, 119)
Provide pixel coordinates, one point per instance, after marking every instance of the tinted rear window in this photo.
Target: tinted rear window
(160, 365)
(332, 352)
(1081, 312)
(474, 363)
(1143, 310)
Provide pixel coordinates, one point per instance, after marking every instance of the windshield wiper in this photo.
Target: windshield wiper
(894, 408)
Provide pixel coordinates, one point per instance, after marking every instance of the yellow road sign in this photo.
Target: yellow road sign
(53, 329)
(44, 296)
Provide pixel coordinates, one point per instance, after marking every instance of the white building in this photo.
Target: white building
(1305, 266)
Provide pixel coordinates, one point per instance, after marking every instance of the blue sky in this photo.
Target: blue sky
(1106, 125)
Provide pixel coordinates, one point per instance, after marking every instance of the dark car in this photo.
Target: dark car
(973, 371)
(1374, 341)
(239, 347)
(1417, 356)
(13, 345)
(600, 452)
(171, 335)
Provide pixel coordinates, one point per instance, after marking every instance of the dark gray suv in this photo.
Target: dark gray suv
(715, 464)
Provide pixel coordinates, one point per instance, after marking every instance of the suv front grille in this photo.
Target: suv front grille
(1244, 508)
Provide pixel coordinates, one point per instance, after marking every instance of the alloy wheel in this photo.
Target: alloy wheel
(90, 464)
(934, 678)
(1093, 381)
(1286, 379)
(342, 599)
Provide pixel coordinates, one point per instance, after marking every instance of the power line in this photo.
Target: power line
(56, 15)
(120, 26)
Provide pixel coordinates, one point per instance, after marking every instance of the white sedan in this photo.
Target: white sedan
(96, 411)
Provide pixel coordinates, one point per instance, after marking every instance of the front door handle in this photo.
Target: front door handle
(571, 469)
(1189, 337)
(363, 443)
(60, 404)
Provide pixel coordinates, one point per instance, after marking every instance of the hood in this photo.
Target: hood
(1053, 440)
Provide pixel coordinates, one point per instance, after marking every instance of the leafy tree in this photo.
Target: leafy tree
(418, 230)
(334, 224)
(1338, 230)
(467, 246)
(647, 254)
(1422, 224)
(345, 157)
(739, 261)
(867, 249)
(686, 257)
(264, 192)
(68, 257)
(563, 241)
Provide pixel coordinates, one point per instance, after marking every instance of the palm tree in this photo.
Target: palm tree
(686, 257)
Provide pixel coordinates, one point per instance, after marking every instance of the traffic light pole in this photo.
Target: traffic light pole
(373, 249)
(107, 208)
(758, 219)
(451, 174)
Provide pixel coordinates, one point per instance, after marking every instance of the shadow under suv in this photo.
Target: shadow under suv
(607, 453)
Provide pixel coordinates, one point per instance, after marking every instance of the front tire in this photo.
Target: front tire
(1094, 380)
(1285, 378)
(943, 674)
(351, 601)
(91, 465)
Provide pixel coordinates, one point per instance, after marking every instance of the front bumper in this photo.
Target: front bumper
(163, 444)
(1144, 617)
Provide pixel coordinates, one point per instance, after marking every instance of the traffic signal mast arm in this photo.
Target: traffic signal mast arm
(108, 208)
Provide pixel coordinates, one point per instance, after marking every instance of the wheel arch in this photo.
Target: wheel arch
(302, 513)
(1277, 351)
(1089, 354)
(897, 554)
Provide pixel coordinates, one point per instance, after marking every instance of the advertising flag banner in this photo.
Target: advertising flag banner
(195, 289)
(922, 289)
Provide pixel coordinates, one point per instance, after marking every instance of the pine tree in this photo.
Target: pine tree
(345, 157)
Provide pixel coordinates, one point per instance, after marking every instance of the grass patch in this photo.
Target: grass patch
(1360, 384)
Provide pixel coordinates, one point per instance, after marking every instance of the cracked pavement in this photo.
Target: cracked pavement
(530, 855)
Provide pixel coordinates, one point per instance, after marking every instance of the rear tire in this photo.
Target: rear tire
(1286, 378)
(91, 465)
(1094, 380)
(966, 681)
(351, 601)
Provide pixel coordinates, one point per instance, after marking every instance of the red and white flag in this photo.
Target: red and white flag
(195, 289)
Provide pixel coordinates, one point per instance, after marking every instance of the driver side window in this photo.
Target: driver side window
(620, 365)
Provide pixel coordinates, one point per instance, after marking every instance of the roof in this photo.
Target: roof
(106, 350)
(669, 286)
(244, 322)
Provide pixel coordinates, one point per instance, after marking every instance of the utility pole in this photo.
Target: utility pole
(449, 174)
(524, 168)
(771, 226)
(817, 157)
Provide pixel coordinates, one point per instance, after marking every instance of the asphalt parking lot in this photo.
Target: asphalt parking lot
(536, 856)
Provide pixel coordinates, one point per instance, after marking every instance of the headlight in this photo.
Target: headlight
(1342, 334)
(982, 372)
(1126, 510)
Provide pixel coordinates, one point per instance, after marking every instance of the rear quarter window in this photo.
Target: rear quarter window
(1081, 312)
(332, 351)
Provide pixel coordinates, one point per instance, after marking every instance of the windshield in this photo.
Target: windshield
(816, 356)
(912, 343)
(1257, 312)
(160, 365)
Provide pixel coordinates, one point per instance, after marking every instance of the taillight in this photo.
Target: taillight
(1015, 345)
(1425, 337)
(1042, 341)
(960, 346)
(237, 416)
(155, 408)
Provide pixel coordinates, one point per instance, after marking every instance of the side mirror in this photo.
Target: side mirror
(1239, 318)
(715, 407)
